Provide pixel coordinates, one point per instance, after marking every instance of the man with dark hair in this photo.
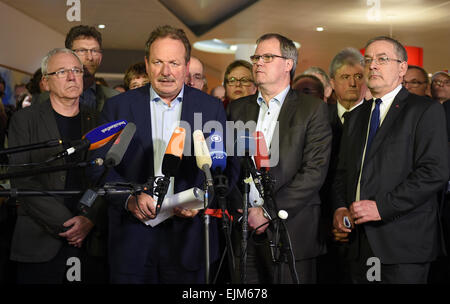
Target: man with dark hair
(416, 80)
(86, 42)
(135, 76)
(391, 166)
(304, 148)
(172, 251)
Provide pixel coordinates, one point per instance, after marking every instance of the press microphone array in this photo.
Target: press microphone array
(113, 158)
(94, 139)
(170, 164)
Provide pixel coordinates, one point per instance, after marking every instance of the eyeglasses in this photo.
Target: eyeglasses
(413, 83)
(380, 60)
(356, 77)
(441, 83)
(245, 82)
(196, 77)
(64, 72)
(84, 52)
(266, 58)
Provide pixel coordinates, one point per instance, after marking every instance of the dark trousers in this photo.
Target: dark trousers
(361, 273)
(93, 270)
(260, 268)
(162, 264)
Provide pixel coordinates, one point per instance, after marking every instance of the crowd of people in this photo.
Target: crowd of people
(362, 168)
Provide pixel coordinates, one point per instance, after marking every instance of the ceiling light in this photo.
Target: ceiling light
(101, 26)
(320, 29)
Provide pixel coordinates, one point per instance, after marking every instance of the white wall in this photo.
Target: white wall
(24, 41)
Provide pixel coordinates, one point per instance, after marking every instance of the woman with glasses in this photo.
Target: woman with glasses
(238, 81)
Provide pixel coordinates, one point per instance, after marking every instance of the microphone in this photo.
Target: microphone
(217, 152)
(113, 158)
(262, 153)
(120, 146)
(44, 144)
(94, 139)
(202, 156)
(171, 162)
(245, 146)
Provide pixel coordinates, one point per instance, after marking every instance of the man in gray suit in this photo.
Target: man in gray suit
(304, 151)
(50, 230)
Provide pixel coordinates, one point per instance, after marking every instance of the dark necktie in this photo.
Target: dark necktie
(374, 123)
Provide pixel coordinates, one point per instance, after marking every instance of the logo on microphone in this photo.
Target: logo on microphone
(216, 138)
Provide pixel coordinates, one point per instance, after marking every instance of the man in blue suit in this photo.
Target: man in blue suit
(173, 251)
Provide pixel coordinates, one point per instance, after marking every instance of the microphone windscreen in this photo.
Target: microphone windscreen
(174, 152)
(261, 153)
(120, 145)
(217, 151)
(99, 136)
(201, 150)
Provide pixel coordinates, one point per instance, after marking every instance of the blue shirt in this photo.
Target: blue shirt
(164, 120)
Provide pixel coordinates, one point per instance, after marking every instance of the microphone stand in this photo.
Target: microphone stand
(221, 188)
(246, 199)
(281, 246)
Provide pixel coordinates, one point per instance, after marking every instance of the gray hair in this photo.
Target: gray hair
(398, 47)
(316, 70)
(348, 56)
(46, 59)
(287, 48)
(439, 73)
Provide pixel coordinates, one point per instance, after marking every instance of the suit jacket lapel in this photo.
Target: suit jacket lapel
(396, 107)
(358, 130)
(284, 122)
(143, 117)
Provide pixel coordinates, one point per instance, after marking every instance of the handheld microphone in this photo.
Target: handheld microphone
(171, 162)
(120, 146)
(101, 135)
(94, 139)
(202, 156)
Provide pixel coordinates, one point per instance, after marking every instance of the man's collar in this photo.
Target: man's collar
(279, 98)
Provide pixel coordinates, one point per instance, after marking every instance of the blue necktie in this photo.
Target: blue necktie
(374, 123)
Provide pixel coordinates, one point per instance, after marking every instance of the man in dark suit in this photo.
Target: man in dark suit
(304, 150)
(346, 74)
(391, 165)
(173, 251)
(50, 229)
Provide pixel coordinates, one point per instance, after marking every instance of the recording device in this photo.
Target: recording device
(171, 162)
(347, 223)
(202, 156)
(94, 139)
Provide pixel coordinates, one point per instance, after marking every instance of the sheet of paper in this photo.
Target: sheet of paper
(189, 199)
